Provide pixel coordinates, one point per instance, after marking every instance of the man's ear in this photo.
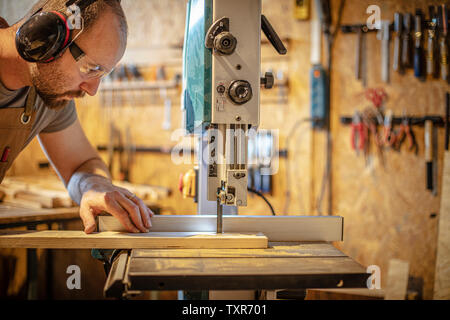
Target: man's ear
(3, 23)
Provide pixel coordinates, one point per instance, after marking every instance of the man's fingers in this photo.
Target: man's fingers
(145, 211)
(133, 210)
(115, 209)
(88, 218)
(139, 202)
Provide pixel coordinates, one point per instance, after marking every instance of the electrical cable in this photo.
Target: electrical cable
(326, 181)
(288, 175)
(263, 197)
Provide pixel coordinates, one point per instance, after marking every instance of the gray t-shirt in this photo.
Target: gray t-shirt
(47, 120)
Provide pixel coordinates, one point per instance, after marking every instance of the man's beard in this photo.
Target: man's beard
(46, 78)
(55, 101)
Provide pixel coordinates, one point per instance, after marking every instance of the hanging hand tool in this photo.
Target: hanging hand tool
(360, 62)
(443, 47)
(372, 118)
(398, 28)
(359, 53)
(358, 133)
(418, 45)
(429, 153)
(318, 75)
(406, 133)
(384, 36)
(126, 157)
(389, 136)
(406, 41)
(431, 47)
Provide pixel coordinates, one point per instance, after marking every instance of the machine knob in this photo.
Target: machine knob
(240, 91)
(268, 80)
(225, 43)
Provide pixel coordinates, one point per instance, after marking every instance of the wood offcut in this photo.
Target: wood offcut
(57, 239)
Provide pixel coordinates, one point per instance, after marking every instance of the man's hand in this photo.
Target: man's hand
(131, 211)
(88, 182)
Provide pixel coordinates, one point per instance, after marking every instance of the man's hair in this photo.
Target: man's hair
(90, 13)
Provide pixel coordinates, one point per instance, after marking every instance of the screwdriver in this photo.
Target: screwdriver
(418, 49)
(398, 28)
(406, 41)
(443, 48)
(431, 48)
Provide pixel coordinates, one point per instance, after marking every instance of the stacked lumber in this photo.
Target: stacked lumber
(38, 192)
(35, 192)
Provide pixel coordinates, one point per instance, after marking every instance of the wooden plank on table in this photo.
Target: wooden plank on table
(276, 228)
(11, 214)
(58, 239)
(442, 273)
(279, 251)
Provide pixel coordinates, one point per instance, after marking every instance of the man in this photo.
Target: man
(50, 114)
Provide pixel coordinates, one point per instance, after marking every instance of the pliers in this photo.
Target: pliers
(358, 135)
(389, 136)
(406, 133)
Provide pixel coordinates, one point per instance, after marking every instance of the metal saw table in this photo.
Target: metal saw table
(283, 265)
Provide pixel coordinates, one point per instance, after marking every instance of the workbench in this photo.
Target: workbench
(283, 265)
(299, 255)
(13, 216)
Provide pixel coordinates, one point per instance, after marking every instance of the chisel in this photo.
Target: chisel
(398, 28)
(443, 47)
(431, 47)
(361, 30)
(418, 45)
(406, 41)
(429, 153)
(384, 36)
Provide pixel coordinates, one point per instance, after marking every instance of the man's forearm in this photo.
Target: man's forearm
(91, 174)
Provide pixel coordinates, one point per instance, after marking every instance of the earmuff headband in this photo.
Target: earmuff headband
(43, 44)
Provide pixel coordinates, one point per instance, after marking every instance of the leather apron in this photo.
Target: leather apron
(15, 128)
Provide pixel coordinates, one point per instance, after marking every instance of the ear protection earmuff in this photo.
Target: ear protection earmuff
(45, 35)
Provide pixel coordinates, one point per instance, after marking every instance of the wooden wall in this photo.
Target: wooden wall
(388, 212)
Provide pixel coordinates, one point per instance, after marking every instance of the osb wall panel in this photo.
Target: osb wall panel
(388, 213)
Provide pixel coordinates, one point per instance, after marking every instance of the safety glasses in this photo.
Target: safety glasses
(88, 68)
